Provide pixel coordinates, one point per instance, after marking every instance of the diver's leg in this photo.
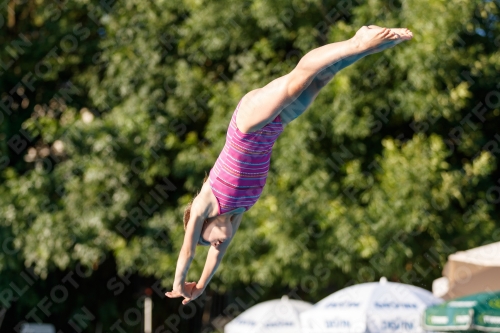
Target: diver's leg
(261, 106)
(308, 95)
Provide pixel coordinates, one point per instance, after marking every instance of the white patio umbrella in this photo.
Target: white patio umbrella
(277, 316)
(470, 272)
(375, 307)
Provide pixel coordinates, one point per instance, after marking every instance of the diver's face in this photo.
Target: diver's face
(217, 230)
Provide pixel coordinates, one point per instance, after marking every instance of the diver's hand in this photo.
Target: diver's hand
(181, 290)
(196, 291)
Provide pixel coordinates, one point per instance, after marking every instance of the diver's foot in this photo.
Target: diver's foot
(372, 38)
(402, 33)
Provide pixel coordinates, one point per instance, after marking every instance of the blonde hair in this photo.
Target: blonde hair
(187, 210)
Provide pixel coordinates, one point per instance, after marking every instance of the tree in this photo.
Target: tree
(392, 168)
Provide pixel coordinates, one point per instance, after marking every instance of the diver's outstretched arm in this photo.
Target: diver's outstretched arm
(186, 254)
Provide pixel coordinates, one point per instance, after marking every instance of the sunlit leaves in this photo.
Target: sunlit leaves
(390, 161)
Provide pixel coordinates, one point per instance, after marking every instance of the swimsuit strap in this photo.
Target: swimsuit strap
(238, 210)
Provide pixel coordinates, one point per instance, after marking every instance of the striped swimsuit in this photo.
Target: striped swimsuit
(240, 172)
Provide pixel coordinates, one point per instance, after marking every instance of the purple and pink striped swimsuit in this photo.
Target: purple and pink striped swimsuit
(240, 172)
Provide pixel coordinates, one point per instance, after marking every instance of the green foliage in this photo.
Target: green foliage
(390, 170)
